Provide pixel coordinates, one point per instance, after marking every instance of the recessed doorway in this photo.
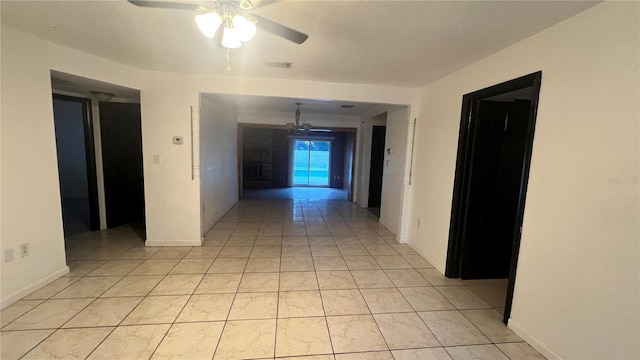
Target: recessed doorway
(492, 171)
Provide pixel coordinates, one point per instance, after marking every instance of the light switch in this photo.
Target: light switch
(156, 158)
(178, 140)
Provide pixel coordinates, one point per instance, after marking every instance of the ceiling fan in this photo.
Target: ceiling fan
(297, 130)
(237, 27)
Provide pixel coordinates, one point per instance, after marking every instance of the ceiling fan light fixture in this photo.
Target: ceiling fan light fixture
(209, 23)
(231, 38)
(245, 28)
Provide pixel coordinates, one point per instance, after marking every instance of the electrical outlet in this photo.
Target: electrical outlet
(8, 255)
(24, 249)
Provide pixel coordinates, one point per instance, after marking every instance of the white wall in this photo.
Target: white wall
(218, 159)
(394, 168)
(576, 294)
(172, 196)
(30, 207)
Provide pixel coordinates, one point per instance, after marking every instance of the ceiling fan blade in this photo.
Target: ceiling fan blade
(165, 5)
(280, 30)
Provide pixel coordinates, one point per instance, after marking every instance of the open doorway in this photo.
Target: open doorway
(492, 170)
(98, 133)
(76, 165)
(121, 133)
(376, 170)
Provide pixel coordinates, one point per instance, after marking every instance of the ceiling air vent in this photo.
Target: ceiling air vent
(278, 64)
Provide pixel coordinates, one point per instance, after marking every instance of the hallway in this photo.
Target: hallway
(274, 279)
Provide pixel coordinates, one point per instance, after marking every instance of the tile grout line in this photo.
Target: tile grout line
(326, 320)
(183, 306)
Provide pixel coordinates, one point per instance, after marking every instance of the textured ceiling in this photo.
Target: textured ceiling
(399, 43)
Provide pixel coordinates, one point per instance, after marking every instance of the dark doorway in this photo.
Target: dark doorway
(122, 157)
(492, 170)
(76, 164)
(376, 169)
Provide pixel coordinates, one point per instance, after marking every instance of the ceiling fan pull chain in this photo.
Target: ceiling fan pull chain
(228, 57)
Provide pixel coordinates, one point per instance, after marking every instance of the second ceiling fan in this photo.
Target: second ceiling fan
(237, 27)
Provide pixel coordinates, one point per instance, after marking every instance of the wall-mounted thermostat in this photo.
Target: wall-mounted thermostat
(178, 140)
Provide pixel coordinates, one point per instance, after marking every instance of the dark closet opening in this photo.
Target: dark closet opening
(492, 170)
(121, 134)
(76, 164)
(376, 169)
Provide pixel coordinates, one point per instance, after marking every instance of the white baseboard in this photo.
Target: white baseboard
(431, 260)
(8, 300)
(215, 220)
(173, 242)
(533, 341)
(383, 223)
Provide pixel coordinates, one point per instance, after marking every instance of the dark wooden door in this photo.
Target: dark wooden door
(377, 166)
(122, 157)
(498, 158)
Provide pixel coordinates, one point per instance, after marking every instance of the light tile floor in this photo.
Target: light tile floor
(296, 279)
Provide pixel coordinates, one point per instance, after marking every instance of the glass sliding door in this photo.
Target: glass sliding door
(312, 159)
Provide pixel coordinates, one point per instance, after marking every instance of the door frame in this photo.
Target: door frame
(462, 181)
(90, 157)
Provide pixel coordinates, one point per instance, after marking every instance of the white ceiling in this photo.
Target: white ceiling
(397, 43)
(307, 106)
